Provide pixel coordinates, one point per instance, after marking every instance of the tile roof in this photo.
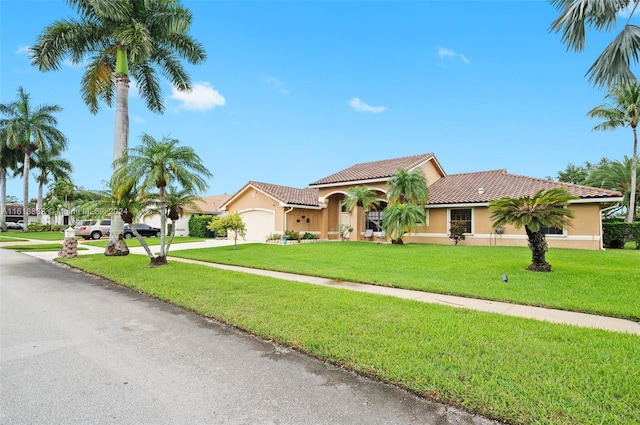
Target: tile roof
(374, 170)
(289, 195)
(495, 184)
(210, 204)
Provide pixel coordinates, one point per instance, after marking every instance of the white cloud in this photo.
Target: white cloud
(445, 53)
(360, 106)
(23, 50)
(279, 85)
(201, 97)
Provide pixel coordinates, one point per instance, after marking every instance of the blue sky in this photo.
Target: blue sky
(294, 91)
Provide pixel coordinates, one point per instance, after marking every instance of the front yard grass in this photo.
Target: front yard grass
(598, 282)
(516, 370)
(44, 236)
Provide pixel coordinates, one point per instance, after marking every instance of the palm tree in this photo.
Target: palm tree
(408, 187)
(124, 199)
(28, 129)
(8, 161)
(49, 164)
(623, 110)
(116, 39)
(63, 191)
(155, 165)
(547, 208)
(616, 175)
(363, 197)
(177, 200)
(407, 197)
(613, 66)
(402, 218)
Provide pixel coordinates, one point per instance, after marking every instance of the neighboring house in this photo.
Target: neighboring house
(319, 208)
(208, 205)
(13, 213)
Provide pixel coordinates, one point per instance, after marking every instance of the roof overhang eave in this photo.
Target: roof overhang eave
(350, 183)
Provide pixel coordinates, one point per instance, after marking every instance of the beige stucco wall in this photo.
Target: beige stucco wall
(252, 199)
(583, 234)
(305, 220)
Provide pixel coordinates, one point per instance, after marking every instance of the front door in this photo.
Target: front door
(345, 220)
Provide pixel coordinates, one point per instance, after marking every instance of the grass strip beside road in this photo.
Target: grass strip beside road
(597, 282)
(132, 243)
(517, 370)
(38, 247)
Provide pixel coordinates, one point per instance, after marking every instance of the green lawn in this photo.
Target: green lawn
(517, 370)
(131, 243)
(600, 282)
(44, 236)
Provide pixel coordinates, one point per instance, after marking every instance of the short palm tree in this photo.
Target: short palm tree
(623, 110)
(114, 39)
(363, 197)
(547, 208)
(402, 218)
(408, 187)
(28, 128)
(616, 175)
(156, 165)
(613, 66)
(124, 199)
(177, 200)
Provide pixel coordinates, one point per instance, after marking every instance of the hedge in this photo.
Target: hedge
(617, 234)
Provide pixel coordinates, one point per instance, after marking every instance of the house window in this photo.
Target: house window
(463, 214)
(374, 218)
(550, 230)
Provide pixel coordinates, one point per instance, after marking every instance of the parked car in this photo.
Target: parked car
(143, 229)
(14, 225)
(92, 229)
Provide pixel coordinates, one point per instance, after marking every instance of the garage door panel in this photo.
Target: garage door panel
(259, 224)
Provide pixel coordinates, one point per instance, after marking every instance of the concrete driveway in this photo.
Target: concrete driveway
(76, 349)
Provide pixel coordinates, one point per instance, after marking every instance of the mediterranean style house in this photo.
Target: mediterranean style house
(319, 208)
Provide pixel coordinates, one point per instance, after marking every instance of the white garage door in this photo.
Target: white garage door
(259, 224)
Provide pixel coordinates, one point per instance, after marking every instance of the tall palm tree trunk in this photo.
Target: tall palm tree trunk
(39, 202)
(631, 213)
(538, 246)
(121, 134)
(25, 189)
(3, 198)
(163, 223)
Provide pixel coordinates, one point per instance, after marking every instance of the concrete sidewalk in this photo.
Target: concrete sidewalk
(538, 313)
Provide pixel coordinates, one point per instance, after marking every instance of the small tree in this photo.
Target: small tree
(457, 229)
(232, 222)
(547, 208)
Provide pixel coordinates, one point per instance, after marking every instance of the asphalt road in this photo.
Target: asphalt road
(76, 349)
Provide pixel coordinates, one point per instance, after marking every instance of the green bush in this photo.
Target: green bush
(308, 235)
(292, 235)
(38, 227)
(198, 226)
(457, 229)
(616, 234)
(274, 237)
(57, 227)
